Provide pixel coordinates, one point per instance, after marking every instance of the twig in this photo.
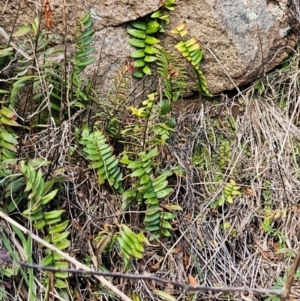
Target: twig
(77, 264)
(290, 277)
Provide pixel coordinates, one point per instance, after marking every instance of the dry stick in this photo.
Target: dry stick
(66, 256)
(291, 276)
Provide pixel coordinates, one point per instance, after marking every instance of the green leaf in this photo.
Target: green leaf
(138, 173)
(8, 146)
(84, 62)
(153, 209)
(86, 33)
(6, 52)
(8, 113)
(153, 153)
(149, 219)
(169, 215)
(175, 207)
(60, 284)
(48, 260)
(128, 194)
(153, 26)
(22, 31)
(191, 42)
(150, 195)
(137, 43)
(82, 43)
(60, 236)
(139, 25)
(64, 244)
(139, 63)
(138, 74)
(61, 265)
(147, 187)
(160, 186)
(137, 33)
(150, 58)
(6, 121)
(134, 165)
(156, 14)
(195, 47)
(53, 214)
(152, 228)
(124, 247)
(8, 137)
(136, 253)
(145, 179)
(58, 228)
(165, 232)
(163, 193)
(147, 70)
(166, 225)
(151, 40)
(85, 18)
(150, 50)
(47, 198)
(138, 53)
(39, 225)
(85, 52)
(180, 46)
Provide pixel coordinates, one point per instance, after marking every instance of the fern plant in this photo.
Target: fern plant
(112, 110)
(102, 158)
(8, 141)
(152, 129)
(40, 193)
(230, 192)
(85, 36)
(131, 244)
(148, 189)
(143, 38)
(172, 73)
(192, 52)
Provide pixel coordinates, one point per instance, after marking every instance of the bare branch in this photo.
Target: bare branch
(290, 277)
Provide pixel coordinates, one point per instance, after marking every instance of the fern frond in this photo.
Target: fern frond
(85, 36)
(48, 221)
(191, 50)
(131, 244)
(8, 139)
(149, 189)
(102, 158)
(173, 76)
(121, 88)
(143, 38)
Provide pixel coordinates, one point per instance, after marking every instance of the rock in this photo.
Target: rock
(242, 39)
(105, 12)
